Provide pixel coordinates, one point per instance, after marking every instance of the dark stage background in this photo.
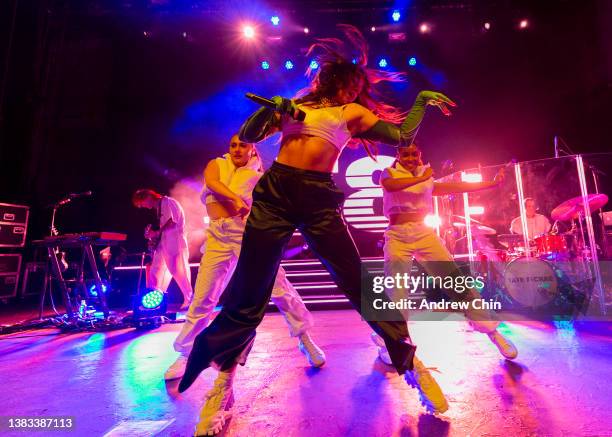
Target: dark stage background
(113, 95)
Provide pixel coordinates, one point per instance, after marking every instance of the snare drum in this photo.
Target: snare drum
(531, 282)
(551, 247)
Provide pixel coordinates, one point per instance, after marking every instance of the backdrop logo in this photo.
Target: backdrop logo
(363, 208)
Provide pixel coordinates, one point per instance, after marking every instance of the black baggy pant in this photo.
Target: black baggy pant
(284, 199)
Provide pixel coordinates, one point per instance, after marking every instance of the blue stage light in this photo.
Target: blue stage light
(289, 65)
(265, 65)
(412, 61)
(314, 65)
(396, 15)
(275, 20)
(383, 63)
(152, 299)
(93, 290)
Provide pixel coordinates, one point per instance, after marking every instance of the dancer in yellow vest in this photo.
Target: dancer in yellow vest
(408, 187)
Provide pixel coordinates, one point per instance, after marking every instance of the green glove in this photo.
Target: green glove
(257, 126)
(388, 133)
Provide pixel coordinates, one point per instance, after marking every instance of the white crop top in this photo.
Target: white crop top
(417, 198)
(241, 180)
(327, 123)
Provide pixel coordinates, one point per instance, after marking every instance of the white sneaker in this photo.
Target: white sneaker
(314, 354)
(430, 394)
(377, 340)
(383, 353)
(504, 345)
(177, 369)
(218, 407)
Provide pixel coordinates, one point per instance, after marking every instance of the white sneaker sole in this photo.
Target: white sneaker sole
(313, 363)
(219, 425)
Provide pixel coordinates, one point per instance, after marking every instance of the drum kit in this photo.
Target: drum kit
(549, 269)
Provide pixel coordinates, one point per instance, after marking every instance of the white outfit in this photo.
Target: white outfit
(222, 249)
(536, 226)
(171, 257)
(328, 123)
(416, 240)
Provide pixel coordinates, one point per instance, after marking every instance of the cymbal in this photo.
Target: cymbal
(477, 228)
(472, 220)
(510, 237)
(570, 209)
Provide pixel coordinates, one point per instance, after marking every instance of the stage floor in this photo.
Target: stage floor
(558, 386)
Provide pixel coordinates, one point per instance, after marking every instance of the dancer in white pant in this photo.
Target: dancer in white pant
(171, 255)
(228, 197)
(408, 187)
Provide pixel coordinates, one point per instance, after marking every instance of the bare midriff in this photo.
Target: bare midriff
(406, 217)
(217, 210)
(308, 153)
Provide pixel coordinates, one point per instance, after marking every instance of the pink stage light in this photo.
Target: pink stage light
(471, 177)
(487, 26)
(424, 28)
(523, 24)
(306, 30)
(373, 28)
(248, 32)
(432, 220)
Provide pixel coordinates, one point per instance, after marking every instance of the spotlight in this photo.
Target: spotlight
(265, 65)
(184, 34)
(396, 15)
(373, 28)
(412, 61)
(289, 65)
(354, 61)
(314, 65)
(152, 299)
(248, 32)
(306, 30)
(432, 220)
(383, 63)
(146, 34)
(424, 28)
(93, 290)
(487, 26)
(275, 20)
(149, 305)
(471, 177)
(523, 24)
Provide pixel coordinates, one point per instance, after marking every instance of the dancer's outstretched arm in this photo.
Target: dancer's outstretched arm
(363, 123)
(443, 188)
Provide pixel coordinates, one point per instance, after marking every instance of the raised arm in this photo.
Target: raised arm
(266, 121)
(442, 188)
(364, 124)
(396, 184)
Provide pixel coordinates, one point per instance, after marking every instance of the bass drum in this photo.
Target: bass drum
(531, 282)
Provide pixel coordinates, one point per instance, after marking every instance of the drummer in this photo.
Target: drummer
(537, 224)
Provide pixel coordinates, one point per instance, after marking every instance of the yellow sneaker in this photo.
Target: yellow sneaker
(218, 407)
(504, 345)
(430, 394)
